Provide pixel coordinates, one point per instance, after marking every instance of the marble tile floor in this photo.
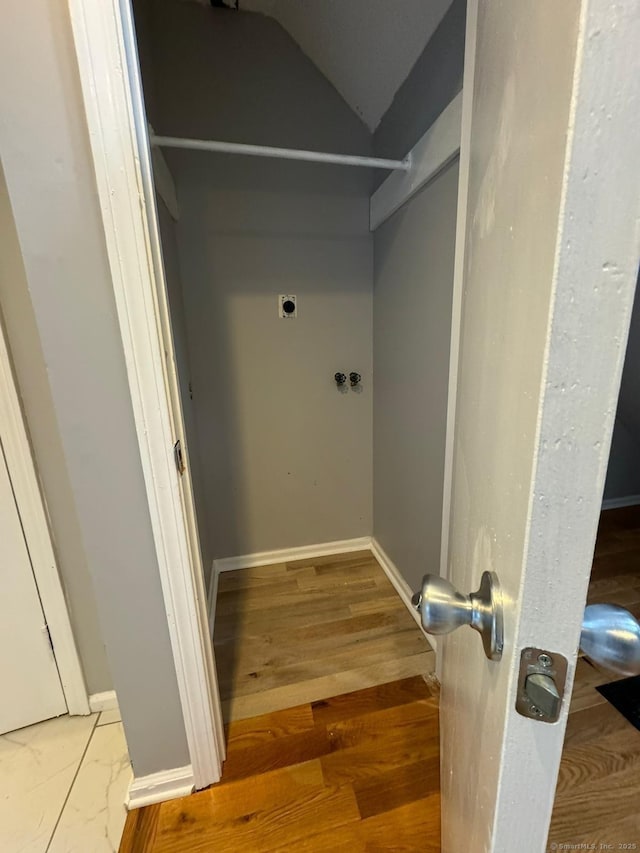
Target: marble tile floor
(63, 784)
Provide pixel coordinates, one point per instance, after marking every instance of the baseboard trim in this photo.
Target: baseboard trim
(158, 787)
(401, 586)
(287, 555)
(107, 701)
(618, 503)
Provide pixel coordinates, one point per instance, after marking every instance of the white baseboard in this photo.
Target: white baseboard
(287, 555)
(107, 701)
(158, 787)
(618, 503)
(401, 586)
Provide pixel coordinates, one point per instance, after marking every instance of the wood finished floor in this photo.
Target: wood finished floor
(598, 793)
(358, 772)
(311, 629)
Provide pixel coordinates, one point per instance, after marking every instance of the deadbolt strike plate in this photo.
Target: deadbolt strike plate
(549, 664)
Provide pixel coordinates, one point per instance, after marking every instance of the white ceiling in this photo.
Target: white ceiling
(365, 48)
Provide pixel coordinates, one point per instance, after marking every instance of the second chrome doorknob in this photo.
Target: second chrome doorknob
(610, 634)
(611, 638)
(443, 609)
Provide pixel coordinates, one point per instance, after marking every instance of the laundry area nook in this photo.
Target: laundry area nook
(309, 288)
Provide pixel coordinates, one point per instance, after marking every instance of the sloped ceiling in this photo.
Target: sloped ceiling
(365, 48)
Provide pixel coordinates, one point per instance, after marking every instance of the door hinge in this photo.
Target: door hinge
(177, 455)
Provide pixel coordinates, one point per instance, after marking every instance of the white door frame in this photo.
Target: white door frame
(105, 46)
(33, 517)
(458, 279)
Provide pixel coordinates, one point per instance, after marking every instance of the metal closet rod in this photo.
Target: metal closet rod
(281, 153)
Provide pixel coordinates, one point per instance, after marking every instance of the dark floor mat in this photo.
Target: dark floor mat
(624, 695)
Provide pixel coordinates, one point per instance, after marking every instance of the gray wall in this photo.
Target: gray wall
(413, 275)
(31, 376)
(49, 177)
(287, 458)
(623, 474)
(413, 263)
(434, 81)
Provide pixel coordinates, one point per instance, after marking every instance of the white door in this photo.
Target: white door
(548, 255)
(31, 689)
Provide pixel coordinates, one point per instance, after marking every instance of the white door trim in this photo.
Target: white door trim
(458, 277)
(105, 46)
(33, 516)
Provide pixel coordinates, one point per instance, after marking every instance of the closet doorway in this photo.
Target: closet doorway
(282, 241)
(514, 487)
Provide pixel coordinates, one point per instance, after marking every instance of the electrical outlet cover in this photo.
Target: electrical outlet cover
(287, 306)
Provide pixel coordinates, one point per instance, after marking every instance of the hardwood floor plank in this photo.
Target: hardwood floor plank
(287, 636)
(313, 629)
(604, 756)
(362, 764)
(414, 828)
(363, 570)
(283, 826)
(367, 797)
(269, 572)
(343, 627)
(398, 786)
(308, 605)
(252, 597)
(375, 698)
(252, 734)
(340, 583)
(229, 627)
(262, 576)
(584, 693)
(590, 724)
(280, 752)
(614, 564)
(276, 651)
(377, 725)
(252, 673)
(140, 829)
(581, 812)
(597, 793)
(410, 828)
(234, 798)
(252, 704)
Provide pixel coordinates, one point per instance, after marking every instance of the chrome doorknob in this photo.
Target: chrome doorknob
(443, 609)
(611, 638)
